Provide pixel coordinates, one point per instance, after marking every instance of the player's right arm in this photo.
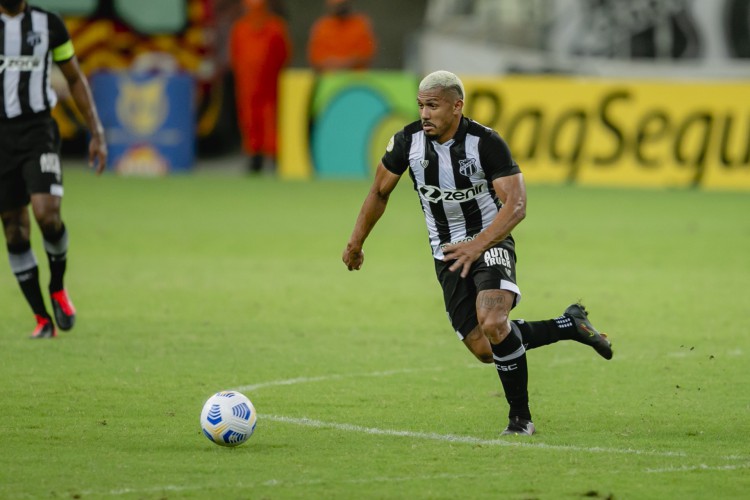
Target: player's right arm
(372, 209)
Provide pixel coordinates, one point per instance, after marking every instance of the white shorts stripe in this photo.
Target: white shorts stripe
(512, 287)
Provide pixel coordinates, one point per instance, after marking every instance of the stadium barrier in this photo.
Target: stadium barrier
(596, 132)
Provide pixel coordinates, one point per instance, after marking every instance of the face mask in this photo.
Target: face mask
(11, 5)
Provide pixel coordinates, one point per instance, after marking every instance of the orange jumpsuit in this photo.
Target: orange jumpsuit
(341, 42)
(259, 50)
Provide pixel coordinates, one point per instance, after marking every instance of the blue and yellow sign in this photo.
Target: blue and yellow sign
(149, 121)
(337, 125)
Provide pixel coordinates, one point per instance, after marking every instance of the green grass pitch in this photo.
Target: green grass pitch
(193, 284)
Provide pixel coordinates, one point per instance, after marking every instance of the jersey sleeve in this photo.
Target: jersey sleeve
(395, 158)
(496, 158)
(59, 40)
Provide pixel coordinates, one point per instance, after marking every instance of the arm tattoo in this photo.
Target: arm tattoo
(491, 301)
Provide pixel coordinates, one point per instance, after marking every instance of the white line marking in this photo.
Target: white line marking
(420, 435)
(270, 483)
(733, 353)
(452, 438)
(433, 436)
(688, 468)
(155, 489)
(323, 378)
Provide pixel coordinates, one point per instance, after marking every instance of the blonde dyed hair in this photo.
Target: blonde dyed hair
(442, 80)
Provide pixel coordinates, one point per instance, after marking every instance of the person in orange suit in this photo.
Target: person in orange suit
(341, 39)
(259, 49)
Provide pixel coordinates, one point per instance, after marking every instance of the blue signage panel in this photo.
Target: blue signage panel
(149, 120)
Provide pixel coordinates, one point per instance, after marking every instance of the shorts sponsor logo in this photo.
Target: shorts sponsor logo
(497, 257)
(20, 63)
(434, 194)
(56, 190)
(50, 164)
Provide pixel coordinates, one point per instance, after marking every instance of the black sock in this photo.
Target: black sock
(56, 246)
(510, 361)
(24, 266)
(540, 333)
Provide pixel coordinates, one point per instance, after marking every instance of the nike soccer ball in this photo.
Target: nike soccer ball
(228, 418)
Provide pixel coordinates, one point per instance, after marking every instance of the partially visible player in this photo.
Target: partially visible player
(31, 39)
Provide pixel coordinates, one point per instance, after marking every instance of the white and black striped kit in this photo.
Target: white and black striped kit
(454, 179)
(26, 43)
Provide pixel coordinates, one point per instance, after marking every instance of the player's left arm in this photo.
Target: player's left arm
(64, 55)
(81, 93)
(512, 192)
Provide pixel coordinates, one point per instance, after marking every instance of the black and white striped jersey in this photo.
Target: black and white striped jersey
(29, 43)
(454, 179)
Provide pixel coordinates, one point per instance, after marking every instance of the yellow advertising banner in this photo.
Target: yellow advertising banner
(597, 132)
(620, 132)
(295, 94)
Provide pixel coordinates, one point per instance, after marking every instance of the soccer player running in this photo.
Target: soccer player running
(30, 40)
(472, 194)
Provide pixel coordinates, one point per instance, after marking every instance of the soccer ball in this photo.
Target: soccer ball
(228, 418)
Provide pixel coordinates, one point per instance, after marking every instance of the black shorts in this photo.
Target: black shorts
(29, 160)
(494, 270)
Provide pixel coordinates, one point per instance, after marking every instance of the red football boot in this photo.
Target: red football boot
(65, 312)
(45, 329)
